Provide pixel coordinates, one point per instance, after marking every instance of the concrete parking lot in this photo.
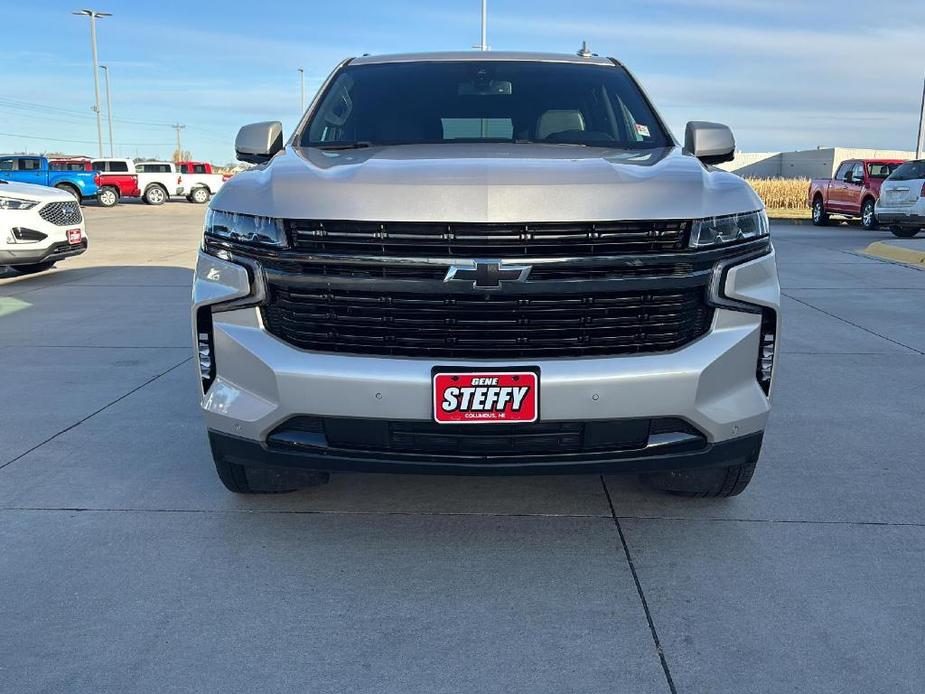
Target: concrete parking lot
(126, 567)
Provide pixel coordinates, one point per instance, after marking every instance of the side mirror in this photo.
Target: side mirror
(258, 142)
(711, 143)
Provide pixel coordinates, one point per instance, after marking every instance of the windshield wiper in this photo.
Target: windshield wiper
(359, 144)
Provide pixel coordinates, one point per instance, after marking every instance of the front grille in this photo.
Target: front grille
(486, 325)
(61, 213)
(468, 240)
(499, 441)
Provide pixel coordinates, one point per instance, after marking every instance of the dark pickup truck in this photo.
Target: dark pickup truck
(853, 192)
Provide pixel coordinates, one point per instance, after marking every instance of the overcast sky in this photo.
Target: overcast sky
(785, 74)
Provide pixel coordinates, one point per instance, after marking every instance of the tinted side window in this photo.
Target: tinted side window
(843, 170)
(30, 164)
(119, 166)
(199, 168)
(6, 164)
(99, 166)
(857, 173)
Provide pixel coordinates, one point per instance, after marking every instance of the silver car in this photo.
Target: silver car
(485, 263)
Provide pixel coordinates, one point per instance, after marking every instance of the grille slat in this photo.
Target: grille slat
(61, 213)
(496, 326)
(469, 240)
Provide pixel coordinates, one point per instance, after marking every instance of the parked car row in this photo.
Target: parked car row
(111, 180)
(890, 192)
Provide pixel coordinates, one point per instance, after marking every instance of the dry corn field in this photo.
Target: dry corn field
(782, 193)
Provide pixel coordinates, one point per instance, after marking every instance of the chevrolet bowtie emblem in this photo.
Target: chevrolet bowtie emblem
(487, 274)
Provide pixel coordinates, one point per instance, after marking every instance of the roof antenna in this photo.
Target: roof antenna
(584, 51)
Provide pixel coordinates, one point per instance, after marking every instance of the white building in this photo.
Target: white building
(808, 163)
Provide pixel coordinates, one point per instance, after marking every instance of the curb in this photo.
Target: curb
(898, 254)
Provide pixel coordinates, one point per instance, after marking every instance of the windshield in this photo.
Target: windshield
(484, 101)
(909, 171)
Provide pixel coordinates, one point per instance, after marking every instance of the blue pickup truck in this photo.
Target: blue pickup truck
(24, 168)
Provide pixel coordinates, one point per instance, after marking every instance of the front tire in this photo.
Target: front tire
(869, 215)
(253, 480)
(904, 232)
(200, 196)
(155, 195)
(820, 218)
(68, 188)
(36, 267)
(717, 482)
(108, 197)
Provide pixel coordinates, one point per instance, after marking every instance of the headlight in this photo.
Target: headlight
(16, 203)
(245, 228)
(717, 231)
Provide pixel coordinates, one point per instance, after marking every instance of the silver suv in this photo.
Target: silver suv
(485, 263)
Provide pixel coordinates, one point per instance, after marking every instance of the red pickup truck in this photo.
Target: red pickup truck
(117, 180)
(853, 192)
(114, 183)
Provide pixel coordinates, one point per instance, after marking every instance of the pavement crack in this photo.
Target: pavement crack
(640, 592)
(93, 414)
(848, 322)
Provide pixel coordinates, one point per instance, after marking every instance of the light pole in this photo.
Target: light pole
(484, 44)
(920, 138)
(93, 14)
(108, 108)
(302, 87)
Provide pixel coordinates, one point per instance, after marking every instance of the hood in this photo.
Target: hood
(486, 183)
(28, 191)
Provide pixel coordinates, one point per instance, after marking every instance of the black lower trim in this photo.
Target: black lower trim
(33, 256)
(250, 453)
(900, 219)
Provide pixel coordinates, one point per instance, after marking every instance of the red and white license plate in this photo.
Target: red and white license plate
(486, 397)
(74, 236)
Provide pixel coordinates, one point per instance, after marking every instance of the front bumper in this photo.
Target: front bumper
(261, 382)
(33, 256)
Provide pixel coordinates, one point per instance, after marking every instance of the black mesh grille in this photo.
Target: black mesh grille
(61, 213)
(439, 240)
(486, 325)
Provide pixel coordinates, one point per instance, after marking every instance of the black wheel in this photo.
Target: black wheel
(108, 196)
(904, 232)
(35, 267)
(68, 188)
(251, 480)
(868, 215)
(820, 218)
(707, 482)
(199, 195)
(155, 195)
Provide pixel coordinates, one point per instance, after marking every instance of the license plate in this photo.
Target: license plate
(486, 397)
(74, 236)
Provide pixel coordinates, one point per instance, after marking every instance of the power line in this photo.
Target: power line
(84, 142)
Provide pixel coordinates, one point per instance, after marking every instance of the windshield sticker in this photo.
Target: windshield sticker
(642, 130)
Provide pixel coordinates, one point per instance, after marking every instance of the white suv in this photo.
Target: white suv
(38, 227)
(901, 206)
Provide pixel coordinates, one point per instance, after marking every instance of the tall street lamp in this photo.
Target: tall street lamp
(108, 107)
(93, 14)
